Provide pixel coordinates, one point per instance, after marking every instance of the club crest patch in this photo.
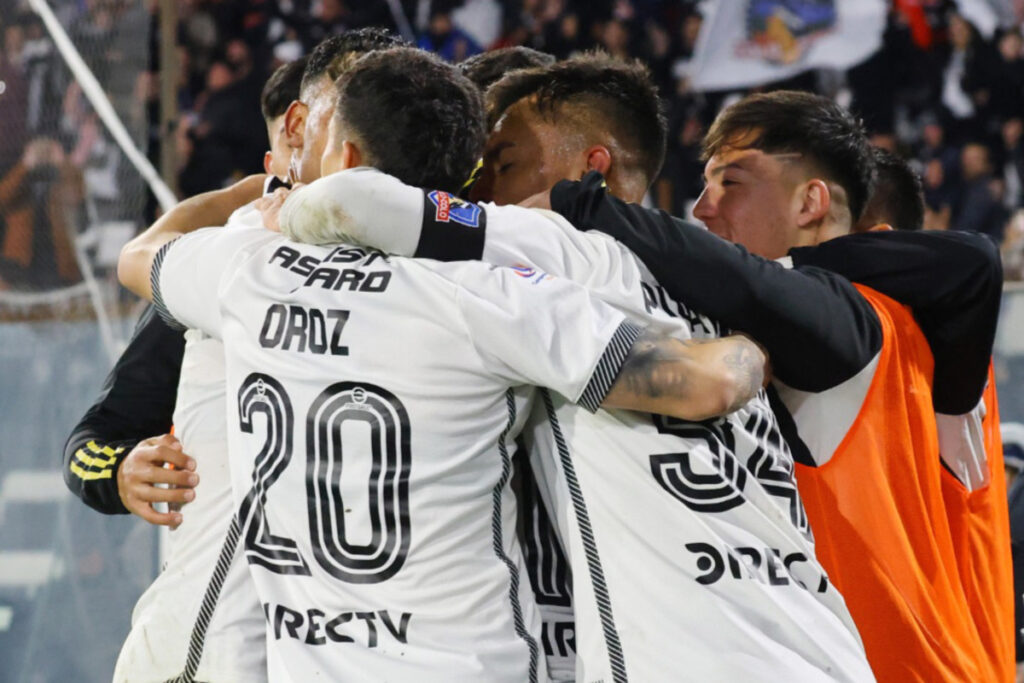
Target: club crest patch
(449, 208)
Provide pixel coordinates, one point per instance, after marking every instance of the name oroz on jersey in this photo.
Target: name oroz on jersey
(297, 328)
(315, 627)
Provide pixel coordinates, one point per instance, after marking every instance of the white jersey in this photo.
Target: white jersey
(692, 558)
(168, 635)
(371, 409)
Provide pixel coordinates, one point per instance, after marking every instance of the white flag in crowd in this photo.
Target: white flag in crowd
(986, 15)
(746, 43)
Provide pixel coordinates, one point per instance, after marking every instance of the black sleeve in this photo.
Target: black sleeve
(136, 402)
(818, 330)
(953, 281)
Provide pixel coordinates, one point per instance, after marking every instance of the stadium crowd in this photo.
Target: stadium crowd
(938, 93)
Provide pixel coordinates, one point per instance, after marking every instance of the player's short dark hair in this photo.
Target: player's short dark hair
(335, 54)
(417, 118)
(791, 122)
(281, 89)
(897, 195)
(488, 67)
(607, 93)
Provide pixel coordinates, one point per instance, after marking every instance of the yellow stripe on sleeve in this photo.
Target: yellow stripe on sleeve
(90, 461)
(86, 475)
(105, 450)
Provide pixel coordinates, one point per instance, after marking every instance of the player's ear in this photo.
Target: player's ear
(599, 159)
(351, 155)
(295, 124)
(268, 161)
(815, 200)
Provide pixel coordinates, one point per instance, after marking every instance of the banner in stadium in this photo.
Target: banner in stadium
(746, 43)
(986, 15)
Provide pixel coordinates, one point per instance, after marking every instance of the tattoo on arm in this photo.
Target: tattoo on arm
(691, 380)
(652, 367)
(747, 361)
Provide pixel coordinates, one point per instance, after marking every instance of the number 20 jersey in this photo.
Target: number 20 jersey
(371, 414)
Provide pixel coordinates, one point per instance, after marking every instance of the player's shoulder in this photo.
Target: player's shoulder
(246, 216)
(444, 273)
(474, 278)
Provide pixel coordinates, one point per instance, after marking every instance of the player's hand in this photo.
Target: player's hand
(270, 206)
(144, 467)
(541, 200)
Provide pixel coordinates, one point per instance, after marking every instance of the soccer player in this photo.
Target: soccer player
(546, 563)
(489, 67)
(731, 588)
(405, 372)
(113, 461)
(280, 90)
(787, 170)
(953, 284)
(897, 196)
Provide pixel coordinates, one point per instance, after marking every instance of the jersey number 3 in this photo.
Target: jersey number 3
(388, 486)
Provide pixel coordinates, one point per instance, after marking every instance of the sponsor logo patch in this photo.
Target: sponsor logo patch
(530, 273)
(449, 208)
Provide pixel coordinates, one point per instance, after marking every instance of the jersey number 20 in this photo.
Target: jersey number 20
(388, 486)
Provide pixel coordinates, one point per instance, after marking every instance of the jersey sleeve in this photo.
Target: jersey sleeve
(953, 281)
(818, 330)
(189, 272)
(136, 402)
(529, 327)
(367, 207)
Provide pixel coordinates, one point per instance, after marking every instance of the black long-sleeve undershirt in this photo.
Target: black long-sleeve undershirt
(136, 402)
(952, 281)
(818, 330)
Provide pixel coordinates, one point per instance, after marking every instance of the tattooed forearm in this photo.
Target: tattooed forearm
(746, 359)
(654, 367)
(691, 380)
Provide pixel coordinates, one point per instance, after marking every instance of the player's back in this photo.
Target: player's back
(691, 554)
(371, 412)
(170, 633)
(870, 480)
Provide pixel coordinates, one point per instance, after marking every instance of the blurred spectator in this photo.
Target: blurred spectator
(1008, 85)
(935, 85)
(938, 197)
(447, 40)
(1013, 162)
(966, 79)
(1012, 249)
(978, 208)
(39, 201)
(43, 90)
(229, 137)
(12, 101)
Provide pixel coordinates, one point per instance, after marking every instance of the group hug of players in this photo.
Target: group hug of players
(524, 429)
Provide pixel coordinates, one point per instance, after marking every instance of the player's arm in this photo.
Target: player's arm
(367, 207)
(814, 324)
(208, 209)
(953, 281)
(691, 380)
(552, 332)
(104, 454)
